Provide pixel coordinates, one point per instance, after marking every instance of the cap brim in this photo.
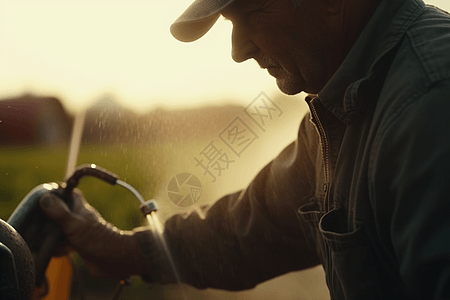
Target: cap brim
(197, 19)
(190, 31)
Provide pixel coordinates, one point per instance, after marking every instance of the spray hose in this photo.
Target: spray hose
(147, 207)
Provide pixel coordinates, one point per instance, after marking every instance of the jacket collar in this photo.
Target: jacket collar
(384, 31)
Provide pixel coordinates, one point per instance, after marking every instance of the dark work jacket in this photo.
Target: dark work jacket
(364, 190)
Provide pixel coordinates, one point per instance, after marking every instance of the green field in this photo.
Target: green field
(21, 169)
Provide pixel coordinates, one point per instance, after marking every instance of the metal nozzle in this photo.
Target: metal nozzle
(148, 207)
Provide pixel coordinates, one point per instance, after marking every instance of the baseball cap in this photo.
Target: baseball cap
(197, 19)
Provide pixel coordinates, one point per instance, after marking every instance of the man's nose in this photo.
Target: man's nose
(243, 47)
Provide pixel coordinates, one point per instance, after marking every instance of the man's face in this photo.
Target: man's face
(294, 44)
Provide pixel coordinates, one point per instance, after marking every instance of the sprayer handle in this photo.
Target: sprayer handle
(40, 233)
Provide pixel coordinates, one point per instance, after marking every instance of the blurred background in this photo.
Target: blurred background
(152, 107)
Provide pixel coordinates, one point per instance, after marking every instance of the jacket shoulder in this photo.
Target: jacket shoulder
(429, 38)
(421, 61)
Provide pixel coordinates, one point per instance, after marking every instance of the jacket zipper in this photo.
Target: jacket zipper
(325, 149)
(325, 156)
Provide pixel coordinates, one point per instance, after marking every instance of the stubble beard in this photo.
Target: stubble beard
(289, 86)
(286, 82)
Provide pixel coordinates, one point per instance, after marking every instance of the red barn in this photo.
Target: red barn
(32, 120)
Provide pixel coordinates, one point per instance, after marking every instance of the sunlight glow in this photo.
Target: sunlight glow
(81, 50)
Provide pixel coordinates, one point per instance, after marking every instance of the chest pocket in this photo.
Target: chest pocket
(348, 259)
(352, 271)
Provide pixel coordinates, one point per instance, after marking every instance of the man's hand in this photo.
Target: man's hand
(107, 251)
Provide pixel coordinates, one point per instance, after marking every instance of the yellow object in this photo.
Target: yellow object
(59, 275)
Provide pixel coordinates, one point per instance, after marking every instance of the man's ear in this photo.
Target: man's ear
(334, 6)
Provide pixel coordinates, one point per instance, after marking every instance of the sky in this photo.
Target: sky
(80, 51)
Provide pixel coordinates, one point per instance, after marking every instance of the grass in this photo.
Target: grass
(21, 169)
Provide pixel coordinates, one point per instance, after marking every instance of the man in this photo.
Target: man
(364, 190)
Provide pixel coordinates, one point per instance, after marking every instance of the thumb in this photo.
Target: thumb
(55, 208)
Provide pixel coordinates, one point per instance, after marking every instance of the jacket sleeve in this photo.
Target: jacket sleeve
(411, 192)
(250, 236)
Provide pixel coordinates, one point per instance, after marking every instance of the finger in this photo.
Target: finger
(55, 209)
(80, 205)
(79, 196)
(78, 200)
